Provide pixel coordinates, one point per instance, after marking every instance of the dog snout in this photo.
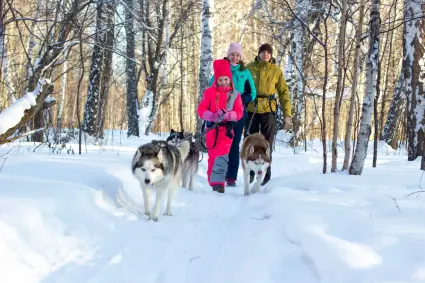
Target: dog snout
(147, 181)
(260, 172)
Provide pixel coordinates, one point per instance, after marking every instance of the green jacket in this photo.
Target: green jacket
(269, 80)
(243, 82)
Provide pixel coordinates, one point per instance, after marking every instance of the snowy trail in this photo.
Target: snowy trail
(210, 237)
(80, 219)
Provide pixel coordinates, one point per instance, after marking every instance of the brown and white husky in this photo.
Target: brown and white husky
(255, 157)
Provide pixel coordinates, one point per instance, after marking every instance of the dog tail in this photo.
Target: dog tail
(184, 148)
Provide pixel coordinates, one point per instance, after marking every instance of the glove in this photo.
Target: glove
(209, 116)
(227, 115)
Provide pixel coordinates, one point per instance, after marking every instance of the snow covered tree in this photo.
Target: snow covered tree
(371, 80)
(39, 86)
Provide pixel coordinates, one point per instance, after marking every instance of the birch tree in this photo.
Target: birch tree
(413, 69)
(396, 113)
(158, 45)
(360, 153)
(302, 8)
(105, 11)
(339, 86)
(131, 71)
(356, 69)
(205, 62)
(48, 58)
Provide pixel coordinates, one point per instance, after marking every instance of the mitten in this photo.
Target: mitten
(209, 116)
(228, 115)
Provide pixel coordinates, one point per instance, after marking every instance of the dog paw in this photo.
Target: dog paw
(154, 218)
(147, 213)
(168, 213)
(246, 193)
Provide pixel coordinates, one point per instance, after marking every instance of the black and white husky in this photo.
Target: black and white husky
(190, 164)
(158, 166)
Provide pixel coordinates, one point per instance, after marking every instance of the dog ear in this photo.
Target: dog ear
(160, 155)
(251, 149)
(172, 131)
(136, 158)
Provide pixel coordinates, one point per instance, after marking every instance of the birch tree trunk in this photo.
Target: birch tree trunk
(325, 84)
(301, 10)
(339, 86)
(31, 42)
(62, 98)
(413, 69)
(4, 58)
(182, 76)
(206, 59)
(91, 107)
(356, 68)
(360, 153)
(132, 100)
(290, 76)
(390, 55)
(396, 113)
(107, 69)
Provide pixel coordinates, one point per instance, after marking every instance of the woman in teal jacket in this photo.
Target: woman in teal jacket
(244, 84)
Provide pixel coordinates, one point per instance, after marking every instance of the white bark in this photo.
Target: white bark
(7, 70)
(413, 68)
(290, 75)
(302, 8)
(356, 71)
(340, 86)
(62, 96)
(206, 58)
(371, 80)
(31, 41)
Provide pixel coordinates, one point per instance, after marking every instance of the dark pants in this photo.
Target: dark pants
(233, 165)
(264, 123)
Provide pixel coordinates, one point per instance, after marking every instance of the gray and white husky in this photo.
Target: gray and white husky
(158, 166)
(190, 164)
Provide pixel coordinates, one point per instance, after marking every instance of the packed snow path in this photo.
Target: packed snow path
(79, 219)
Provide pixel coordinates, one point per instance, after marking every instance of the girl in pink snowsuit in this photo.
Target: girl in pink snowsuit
(221, 104)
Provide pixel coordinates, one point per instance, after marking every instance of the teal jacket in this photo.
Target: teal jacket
(244, 84)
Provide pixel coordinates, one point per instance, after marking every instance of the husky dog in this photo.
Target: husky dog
(255, 157)
(157, 165)
(190, 164)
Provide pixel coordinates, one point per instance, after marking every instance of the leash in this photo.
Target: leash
(252, 118)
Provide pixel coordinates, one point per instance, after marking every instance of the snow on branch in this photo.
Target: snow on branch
(25, 108)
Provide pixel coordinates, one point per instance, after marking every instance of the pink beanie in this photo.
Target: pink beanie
(234, 47)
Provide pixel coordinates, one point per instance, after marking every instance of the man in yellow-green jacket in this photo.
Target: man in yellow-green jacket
(270, 85)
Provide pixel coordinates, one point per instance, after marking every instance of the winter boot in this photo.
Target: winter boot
(218, 188)
(231, 182)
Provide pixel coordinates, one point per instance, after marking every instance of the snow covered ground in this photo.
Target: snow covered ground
(69, 218)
